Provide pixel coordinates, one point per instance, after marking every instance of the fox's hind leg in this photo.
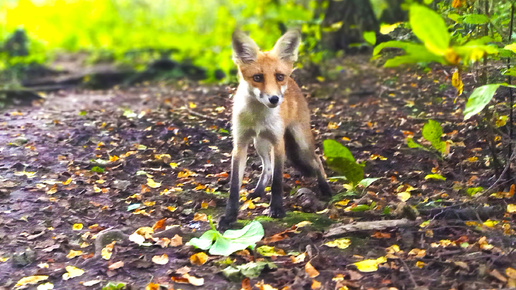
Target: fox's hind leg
(300, 150)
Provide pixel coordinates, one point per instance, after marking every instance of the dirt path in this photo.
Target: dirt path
(127, 158)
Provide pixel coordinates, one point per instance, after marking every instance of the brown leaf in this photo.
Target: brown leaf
(159, 225)
(311, 271)
(116, 265)
(246, 284)
(498, 276)
(199, 258)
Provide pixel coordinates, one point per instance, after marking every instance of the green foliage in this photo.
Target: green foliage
(250, 270)
(369, 37)
(229, 242)
(432, 132)
(114, 286)
(340, 159)
(474, 190)
(97, 169)
(435, 176)
(479, 98)
(430, 28)
(136, 32)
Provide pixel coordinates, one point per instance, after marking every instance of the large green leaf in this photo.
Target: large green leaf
(432, 132)
(340, 159)
(475, 19)
(231, 241)
(479, 98)
(369, 37)
(430, 28)
(333, 149)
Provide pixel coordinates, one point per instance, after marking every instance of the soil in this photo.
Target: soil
(120, 159)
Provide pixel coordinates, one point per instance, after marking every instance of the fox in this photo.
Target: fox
(269, 109)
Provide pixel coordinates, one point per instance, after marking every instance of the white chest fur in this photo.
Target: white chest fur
(251, 117)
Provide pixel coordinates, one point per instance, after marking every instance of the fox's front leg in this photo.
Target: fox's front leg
(238, 161)
(276, 205)
(263, 147)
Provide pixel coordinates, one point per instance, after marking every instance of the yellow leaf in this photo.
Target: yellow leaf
(72, 272)
(511, 47)
(77, 227)
(173, 165)
(303, 224)
(419, 253)
(160, 260)
(388, 28)
(73, 254)
(113, 158)
(45, 286)
(199, 258)
(152, 183)
(192, 105)
(511, 208)
(341, 243)
(333, 125)
(511, 273)
(370, 265)
(490, 223)
(262, 286)
(404, 196)
(31, 280)
(152, 286)
(67, 181)
(457, 82)
(420, 264)
(311, 271)
(200, 217)
(107, 251)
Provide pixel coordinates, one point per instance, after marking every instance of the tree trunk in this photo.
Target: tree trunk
(356, 16)
(393, 13)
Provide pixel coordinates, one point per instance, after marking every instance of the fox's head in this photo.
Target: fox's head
(266, 72)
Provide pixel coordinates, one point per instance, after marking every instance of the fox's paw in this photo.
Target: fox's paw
(277, 212)
(225, 222)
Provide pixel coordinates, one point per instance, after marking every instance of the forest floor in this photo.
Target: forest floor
(82, 164)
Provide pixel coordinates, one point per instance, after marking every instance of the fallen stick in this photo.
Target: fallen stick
(368, 226)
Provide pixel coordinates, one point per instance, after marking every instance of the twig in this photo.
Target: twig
(506, 168)
(368, 226)
(409, 272)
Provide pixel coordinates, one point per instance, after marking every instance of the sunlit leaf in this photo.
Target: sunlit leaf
(72, 272)
(31, 280)
(160, 259)
(199, 258)
(430, 28)
(310, 270)
(370, 265)
(341, 243)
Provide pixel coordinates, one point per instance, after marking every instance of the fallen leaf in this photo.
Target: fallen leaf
(341, 243)
(200, 217)
(160, 260)
(45, 286)
(199, 258)
(107, 251)
(311, 271)
(511, 208)
(72, 272)
(316, 285)
(159, 225)
(176, 241)
(116, 265)
(246, 284)
(370, 265)
(77, 227)
(299, 258)
(73, 254)
(31, 280)
(151, 183)
(510, 272)
(152, 286)
(262, 286)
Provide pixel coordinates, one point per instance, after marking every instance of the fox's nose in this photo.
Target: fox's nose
(274, 100)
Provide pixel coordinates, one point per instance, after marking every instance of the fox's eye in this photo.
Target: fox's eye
(280, 77)
(258, 78)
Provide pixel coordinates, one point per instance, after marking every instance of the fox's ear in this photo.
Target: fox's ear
(245, 49)
(286, 47)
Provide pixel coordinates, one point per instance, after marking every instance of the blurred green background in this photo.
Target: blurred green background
(136, 32)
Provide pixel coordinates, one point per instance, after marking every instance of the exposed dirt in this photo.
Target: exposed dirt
(52, 155)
